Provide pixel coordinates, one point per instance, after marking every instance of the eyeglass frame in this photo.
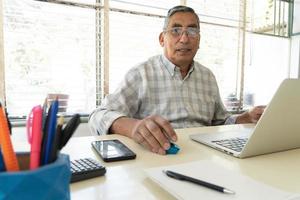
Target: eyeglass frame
(183, 30)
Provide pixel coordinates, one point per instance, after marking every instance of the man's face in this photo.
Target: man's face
(180, 49)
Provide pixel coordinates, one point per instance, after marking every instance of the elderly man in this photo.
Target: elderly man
(167, 91)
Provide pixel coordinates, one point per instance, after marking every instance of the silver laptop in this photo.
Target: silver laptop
(278, 129)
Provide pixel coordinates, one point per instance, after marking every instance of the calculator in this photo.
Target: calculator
(86, 168)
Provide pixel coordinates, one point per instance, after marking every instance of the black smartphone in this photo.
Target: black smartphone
(113, 150)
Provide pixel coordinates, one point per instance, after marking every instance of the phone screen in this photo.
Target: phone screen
(113, 150)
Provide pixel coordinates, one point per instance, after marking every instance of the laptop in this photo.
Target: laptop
(278, 129)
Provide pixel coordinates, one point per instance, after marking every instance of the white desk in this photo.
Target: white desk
(127, 180)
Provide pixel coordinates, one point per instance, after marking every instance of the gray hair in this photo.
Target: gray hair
(177, 9)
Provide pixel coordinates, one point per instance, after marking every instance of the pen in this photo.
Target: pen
(50, 132)
(9, 156)
(34, 131)
(69, 129)
(57, 138)
(197, 181)
(46, 119)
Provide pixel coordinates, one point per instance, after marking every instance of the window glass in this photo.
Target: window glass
(218, 51)
(268, 17)
(266, 66)
(296, 17)
(131, 43)
(219, 45)
(224, 12)
(49, 48)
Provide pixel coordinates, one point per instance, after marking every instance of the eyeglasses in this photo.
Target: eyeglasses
(178, 31)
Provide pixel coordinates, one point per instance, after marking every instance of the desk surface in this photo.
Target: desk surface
(127, 179)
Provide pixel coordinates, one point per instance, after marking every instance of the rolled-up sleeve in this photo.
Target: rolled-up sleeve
(101, 120)
(123, 102)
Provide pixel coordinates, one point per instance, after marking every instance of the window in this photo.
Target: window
(264, 54)
(58, 47)
(270, 17)
(296, 17)
(134, 36)
(128, 46)
(220, 44)
(218, 51)
(49, 48)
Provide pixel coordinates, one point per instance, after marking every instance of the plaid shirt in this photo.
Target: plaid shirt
(156, 87)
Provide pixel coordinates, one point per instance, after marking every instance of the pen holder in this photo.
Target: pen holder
(46, 182)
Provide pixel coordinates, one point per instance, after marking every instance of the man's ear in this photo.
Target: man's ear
(161, 39)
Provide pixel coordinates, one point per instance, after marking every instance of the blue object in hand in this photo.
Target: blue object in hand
(173, 149)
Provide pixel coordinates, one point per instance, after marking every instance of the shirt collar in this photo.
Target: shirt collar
(172, 68)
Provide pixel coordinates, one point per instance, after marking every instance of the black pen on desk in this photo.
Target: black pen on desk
(182, 177)
(69, 129)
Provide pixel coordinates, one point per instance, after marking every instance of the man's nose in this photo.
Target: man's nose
(184, 37)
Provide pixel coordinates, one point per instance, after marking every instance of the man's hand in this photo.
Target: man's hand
(256, 112)
(154, 133)
(251, 116)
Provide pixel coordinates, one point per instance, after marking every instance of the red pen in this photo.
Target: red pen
(34, 133)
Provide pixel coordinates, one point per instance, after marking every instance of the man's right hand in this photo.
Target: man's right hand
(154, 133)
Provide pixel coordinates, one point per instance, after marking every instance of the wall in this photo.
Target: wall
(295, 42)
(295, 57)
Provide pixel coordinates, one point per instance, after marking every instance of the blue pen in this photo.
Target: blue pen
(51, 129)
(2, 165)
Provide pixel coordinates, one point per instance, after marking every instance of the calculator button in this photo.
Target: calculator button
(85, 168)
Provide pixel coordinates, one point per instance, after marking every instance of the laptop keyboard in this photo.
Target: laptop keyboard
(235, 144)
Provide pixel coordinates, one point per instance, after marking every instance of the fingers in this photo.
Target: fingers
(166, 128)
(158, 138)
(141, 140)
(154, 133)
(256, 113)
